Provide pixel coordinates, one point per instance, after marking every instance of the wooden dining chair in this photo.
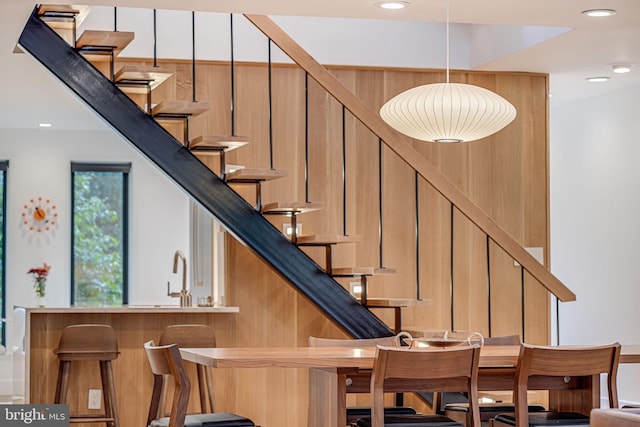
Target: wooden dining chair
(166, 361)
(459, 409)
(194, 336)
(560, 362)
(360, 382)
(399, 369)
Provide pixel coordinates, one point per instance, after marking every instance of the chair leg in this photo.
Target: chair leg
(109, 392)
(163, 398)
(210, 393)
(202, 388)
(63, 382)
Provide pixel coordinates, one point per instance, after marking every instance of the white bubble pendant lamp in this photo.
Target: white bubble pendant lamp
(448, 112)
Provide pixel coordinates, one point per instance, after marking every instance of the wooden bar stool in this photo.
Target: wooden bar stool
(194, 336)
(89, 343)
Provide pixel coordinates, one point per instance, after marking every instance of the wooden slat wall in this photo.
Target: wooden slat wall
(505, 174)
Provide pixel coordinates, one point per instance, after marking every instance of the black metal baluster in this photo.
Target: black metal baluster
(417, 190)
(193, 55)
(115, 19)
(233, 78)
(344, 173)
(557, 321)
(270, 107)
(380, 199)
(155, 42)
(451, 270)
(522, 301)
(489, 283)
(306, 137)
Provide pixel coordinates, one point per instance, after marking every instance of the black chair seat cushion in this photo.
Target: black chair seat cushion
(219, 419)
(488, 410)
(412, 421)
(548, 419)
(356, 412)
(365, 411)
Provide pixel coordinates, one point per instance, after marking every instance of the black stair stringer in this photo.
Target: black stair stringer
(204, 186)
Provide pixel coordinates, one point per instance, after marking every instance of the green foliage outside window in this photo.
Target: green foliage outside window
(98, 238)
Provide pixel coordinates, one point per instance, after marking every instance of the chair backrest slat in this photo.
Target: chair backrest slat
(564, 362)
(400, 369)
(191, 335)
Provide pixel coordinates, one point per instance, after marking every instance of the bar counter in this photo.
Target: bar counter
(134, 325)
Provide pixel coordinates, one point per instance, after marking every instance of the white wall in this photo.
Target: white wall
(329, 40)
(595, 222)
(39, 165)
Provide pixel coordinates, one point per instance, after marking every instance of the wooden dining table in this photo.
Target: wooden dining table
(336, 371)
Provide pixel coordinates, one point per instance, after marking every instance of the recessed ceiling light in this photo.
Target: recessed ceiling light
(597, 79)
(45, 125)
(599, 13)
(621, 68)
(392, 5)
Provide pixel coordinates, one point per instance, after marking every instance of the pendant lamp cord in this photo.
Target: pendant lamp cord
(447, 41)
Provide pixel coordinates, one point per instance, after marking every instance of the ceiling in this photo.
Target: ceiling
(588, 49)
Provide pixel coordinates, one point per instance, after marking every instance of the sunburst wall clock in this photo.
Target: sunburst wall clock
(39, 215)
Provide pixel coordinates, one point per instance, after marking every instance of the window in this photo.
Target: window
(99, 244)
(4, 165)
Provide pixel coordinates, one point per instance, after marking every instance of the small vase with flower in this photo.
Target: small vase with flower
(39, 275)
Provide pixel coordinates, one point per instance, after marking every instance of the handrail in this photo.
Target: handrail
(402, 147)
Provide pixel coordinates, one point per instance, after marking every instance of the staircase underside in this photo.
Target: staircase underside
(205, 187)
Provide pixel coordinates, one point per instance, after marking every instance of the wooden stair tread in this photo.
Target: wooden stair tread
(180, 108)
(97, 40)
(142, 75)
(59, 16)
(218, 142)
(395, 302)
(291, 207)
(326, 239)
(361, 271)
(58, 8)
(352, 271)
(255, 175)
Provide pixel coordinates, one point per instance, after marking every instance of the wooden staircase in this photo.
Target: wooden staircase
(245, 219)
(103, 47)
(143, 81)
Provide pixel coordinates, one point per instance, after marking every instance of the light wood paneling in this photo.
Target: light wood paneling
(505, 175)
